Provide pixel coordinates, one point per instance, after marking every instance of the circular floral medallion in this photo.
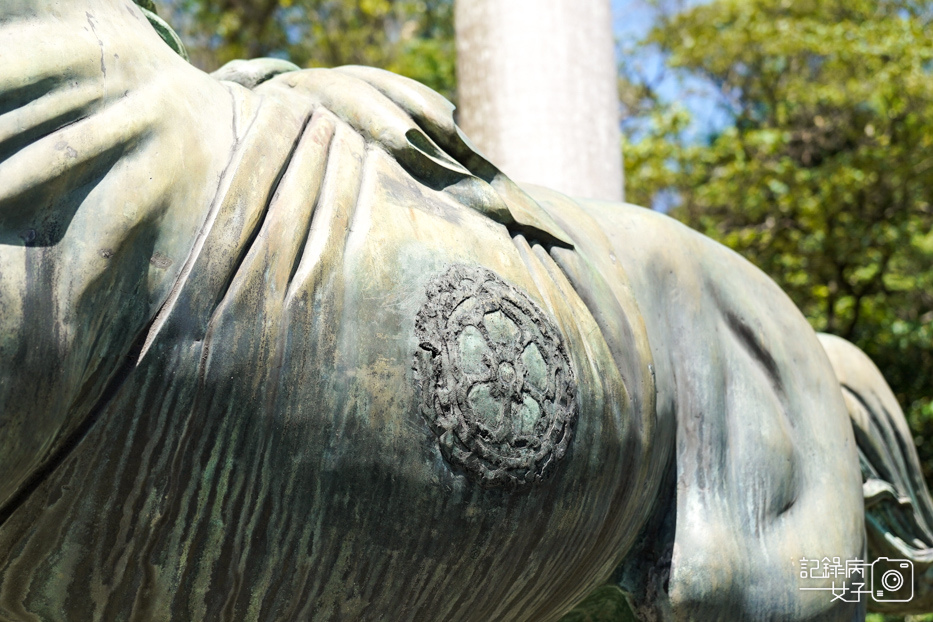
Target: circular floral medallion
(497, 386)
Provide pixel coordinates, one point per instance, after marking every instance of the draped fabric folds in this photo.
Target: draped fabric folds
(281, 344)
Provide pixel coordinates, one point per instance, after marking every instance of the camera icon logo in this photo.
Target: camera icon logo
(892, 580)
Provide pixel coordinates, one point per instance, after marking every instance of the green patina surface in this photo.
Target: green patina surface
(281, 344)
(165, 31)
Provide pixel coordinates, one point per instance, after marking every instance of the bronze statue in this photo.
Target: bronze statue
(280, 344)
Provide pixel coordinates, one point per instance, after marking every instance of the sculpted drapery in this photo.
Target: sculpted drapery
(280, 344)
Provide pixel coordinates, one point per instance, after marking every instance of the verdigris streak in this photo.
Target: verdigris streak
(280, 344)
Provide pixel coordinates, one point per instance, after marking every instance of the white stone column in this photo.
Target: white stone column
(537, 91)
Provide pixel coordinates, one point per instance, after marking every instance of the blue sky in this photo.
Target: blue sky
(631, 18)
(631, 21)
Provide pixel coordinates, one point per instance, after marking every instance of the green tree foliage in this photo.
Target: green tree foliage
(880, 617)
(604, 604)
(823, 174)
(412, 37)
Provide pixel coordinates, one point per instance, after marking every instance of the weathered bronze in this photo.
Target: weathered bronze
(279, 344)
(497, 386)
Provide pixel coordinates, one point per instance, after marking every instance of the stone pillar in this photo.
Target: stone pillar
(537, 91)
